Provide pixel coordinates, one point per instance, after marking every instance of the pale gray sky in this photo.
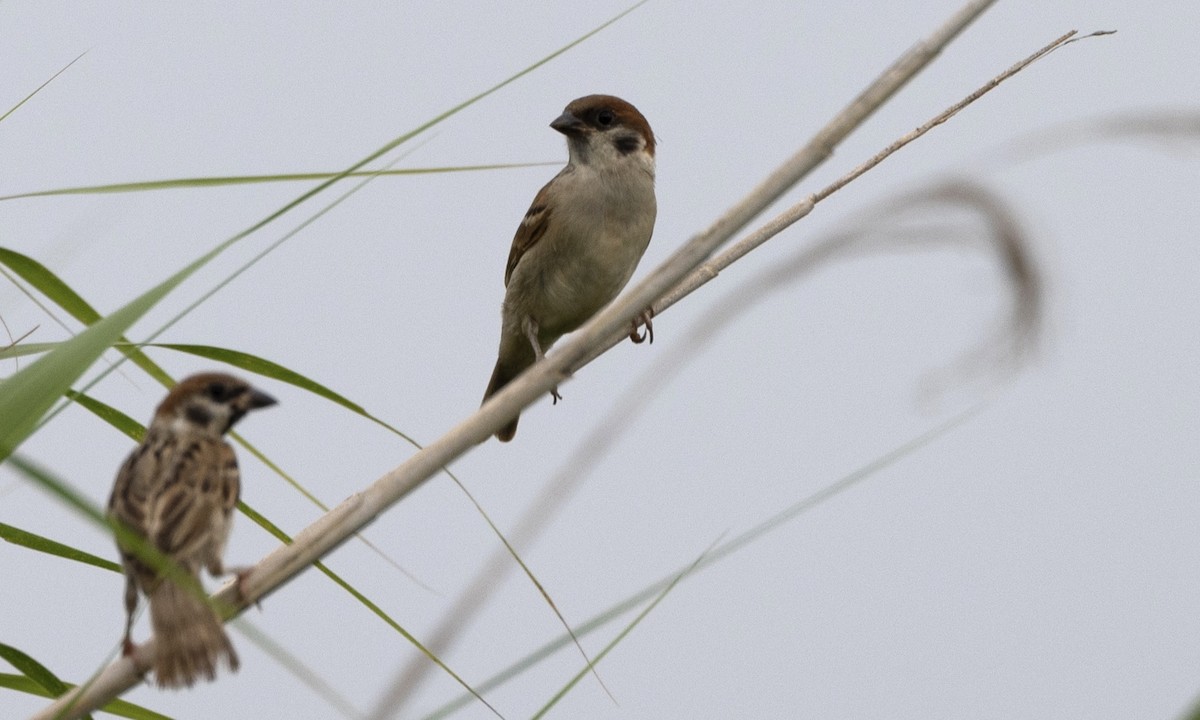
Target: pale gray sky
(1036, 562)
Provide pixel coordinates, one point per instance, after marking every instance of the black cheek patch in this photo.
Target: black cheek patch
(198, 415)
(626, 144)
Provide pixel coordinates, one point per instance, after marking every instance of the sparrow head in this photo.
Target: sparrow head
(603, 128)
(210, 402)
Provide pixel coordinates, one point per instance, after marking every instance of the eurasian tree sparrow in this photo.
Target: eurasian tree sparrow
(581, 239)
(178, 490)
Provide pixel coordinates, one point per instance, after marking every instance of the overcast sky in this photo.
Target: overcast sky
(1037, 561)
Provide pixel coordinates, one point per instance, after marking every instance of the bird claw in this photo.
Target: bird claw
(241, 575)
(128, 649)
(554, 395)
(645, 318)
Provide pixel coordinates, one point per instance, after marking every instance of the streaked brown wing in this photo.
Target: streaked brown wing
(191, 511)
(134, 493)
(139, 480)
(127, 504)
(532, 228)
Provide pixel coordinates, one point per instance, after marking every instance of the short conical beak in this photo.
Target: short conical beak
(259, 399)
(567, 124)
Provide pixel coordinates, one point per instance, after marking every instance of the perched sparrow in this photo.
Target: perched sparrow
(581, 239)
(178, 490)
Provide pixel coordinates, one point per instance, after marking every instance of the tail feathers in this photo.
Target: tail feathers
(189, 635)
(501, 376)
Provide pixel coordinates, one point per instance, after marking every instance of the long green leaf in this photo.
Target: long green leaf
(24, 538)
(133, 429)
(1193, 713)
(275, 371)
(283, 537)
(725, 549)
(47, 283)
(23, 349)
(120, 708)
(32, 669)
(378, 611)
(624, 632)
(298, 669)
(266, 368)
(39, 87)
(232, 180)
(29, 393)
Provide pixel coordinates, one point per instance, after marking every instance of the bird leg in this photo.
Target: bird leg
(530, 327)
(131, 600)
(645, 318)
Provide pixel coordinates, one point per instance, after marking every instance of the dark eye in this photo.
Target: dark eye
(605, 117)
(217, 391)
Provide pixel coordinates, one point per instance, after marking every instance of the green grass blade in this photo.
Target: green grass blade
(23, 349)
(50, 285)
(33, 670)
(367, 603)
(265, 368)
(275, 371)
(109, 414)
(718, 553)
(120, 708)
(1193, 713)
(298, 669)
(234, 180)
(39, 87)
(27, 394)
(624, 632)
(26, 539)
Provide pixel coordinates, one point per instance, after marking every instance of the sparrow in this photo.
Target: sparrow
(177, 490)
(581, 239)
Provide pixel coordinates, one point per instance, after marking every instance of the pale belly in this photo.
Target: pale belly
(571, 283)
